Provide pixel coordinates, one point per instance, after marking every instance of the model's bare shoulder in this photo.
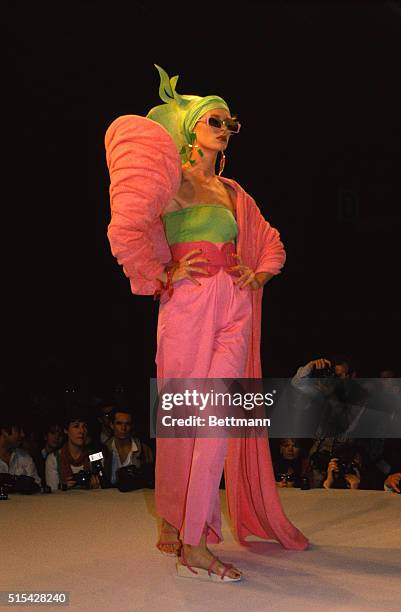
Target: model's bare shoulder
(182, 198)
(231, 192)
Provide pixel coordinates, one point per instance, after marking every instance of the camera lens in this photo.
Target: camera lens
(305, 485)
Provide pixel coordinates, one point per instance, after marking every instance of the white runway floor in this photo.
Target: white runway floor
(99, 546)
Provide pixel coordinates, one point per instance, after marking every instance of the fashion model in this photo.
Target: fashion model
(199, 242)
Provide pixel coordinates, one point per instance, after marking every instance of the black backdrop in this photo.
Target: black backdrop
(316, 87)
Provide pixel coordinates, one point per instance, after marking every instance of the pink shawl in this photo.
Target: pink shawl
(145, 173)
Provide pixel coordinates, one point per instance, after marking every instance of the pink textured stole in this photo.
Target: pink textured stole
(252, 496)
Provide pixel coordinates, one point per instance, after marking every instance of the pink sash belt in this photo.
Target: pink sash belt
(219, 256)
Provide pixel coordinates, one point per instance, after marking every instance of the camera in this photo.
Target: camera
(344, 468)
(130, 477)
(326, 372)
(284, 477)
(83, 479)
(305, 483)
(97, 467)
(287, 477)
(11, 483)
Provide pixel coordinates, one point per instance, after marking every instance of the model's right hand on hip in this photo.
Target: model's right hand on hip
(185, 266)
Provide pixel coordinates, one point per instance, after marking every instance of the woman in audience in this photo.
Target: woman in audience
(291, 464)
(63, 465)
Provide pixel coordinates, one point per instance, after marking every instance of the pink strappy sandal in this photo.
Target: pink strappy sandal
(184, 570)
(177, 545)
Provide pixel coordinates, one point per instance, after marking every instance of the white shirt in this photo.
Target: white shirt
(132, 459)
(21, 464)
(52, 473)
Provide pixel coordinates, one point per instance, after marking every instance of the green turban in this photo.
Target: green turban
(180, 113)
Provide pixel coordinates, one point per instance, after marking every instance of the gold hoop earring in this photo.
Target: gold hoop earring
(222, 163)
(187, 150)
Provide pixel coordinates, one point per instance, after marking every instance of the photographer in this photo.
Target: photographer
(123, 448)
(350, 468)
(70, 466)
(329, 402)
(338, 476)
(324, 390)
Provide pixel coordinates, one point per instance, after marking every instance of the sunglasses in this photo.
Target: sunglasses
(232, 125)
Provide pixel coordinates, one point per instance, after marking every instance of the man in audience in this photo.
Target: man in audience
(124, 449)
(320, 411)
(63, 465)
(391, 465)
(53, 438)
(104, 412)
(14, 460)
(321, 395)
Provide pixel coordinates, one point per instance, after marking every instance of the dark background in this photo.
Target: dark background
(316, 88)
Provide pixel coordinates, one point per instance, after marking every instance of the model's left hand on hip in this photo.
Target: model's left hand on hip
(247, 277)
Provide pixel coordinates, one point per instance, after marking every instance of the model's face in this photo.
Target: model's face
(212, 138)
(122, 426)
(77, 433)
(289, 449)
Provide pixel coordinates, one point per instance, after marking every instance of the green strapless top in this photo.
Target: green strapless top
(200, 222)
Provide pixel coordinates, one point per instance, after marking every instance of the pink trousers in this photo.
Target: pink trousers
(203, 332)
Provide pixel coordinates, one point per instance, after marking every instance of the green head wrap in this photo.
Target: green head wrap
(180, 113)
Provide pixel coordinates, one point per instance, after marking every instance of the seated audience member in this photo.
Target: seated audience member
(104, 413)
(53, 438)
(349, 468)
(63, 465)
(30, 442)
(322, 449)
(391, 464)
(392, 483)
(291, 463)
(14, 460)
(123, 448)
(385, 454)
